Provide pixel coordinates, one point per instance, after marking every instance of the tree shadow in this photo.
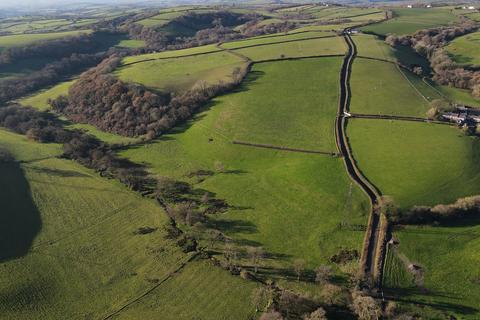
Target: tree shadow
(58, 172)
(20, 220)
(232, 226)
(410, 295)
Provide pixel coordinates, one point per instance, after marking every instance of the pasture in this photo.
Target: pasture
(416, 163)
(409, 20)
(78, 253)
(39, 100)
(448, 256)
(182, 73)
(276, 38)
(386, 91)
(290, 203)
(465, 49)
(171, 54)
(298, 49)
(20, 40)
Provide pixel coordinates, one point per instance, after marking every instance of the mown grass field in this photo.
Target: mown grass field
(385, 91)
(76, 253)
(449, 259)
(305, 48)
(465, 49)
(416, 163)
(180, 74)
(289, 203)
(19, 40)
(407, 21)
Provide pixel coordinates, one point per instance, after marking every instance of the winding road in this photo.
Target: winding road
(372, 234)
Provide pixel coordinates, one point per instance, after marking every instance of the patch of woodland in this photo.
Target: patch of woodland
(443, 214)
(128, 109)
(208, 28)
(430, 43)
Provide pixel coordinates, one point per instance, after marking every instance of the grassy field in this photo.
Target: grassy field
(19, 40)
(276, 38)
(465, 49)
(416, 163)
(449, 259)
(179, 74)
(407, 21)
(289, 203)
(373, 47)
(201, 283)
(39, 100)
(131, 44)
(312, 47)
(171, 54)
(385, 91)
(76, 252)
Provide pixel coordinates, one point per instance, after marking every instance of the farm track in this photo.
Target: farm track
(368, 259)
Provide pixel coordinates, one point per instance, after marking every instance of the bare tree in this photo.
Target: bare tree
(271, 315)
(323, 274)
(318, 314)
(331, 294)
(299, 267)
(365, 307)
(256, 254)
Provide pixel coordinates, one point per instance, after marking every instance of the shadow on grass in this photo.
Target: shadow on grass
(58, 172)
(233, 226)
(410, 295)
(20, 220)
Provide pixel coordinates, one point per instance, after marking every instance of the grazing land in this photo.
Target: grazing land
(448, 258)
(409, 20)
(182, 73)
(298, 49)
(404, 160)
(68, 208)
(257, 182)
(386, 91)
(465, 49)
(19, 40)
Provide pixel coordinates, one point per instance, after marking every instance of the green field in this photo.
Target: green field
(277, 38)
(305, 48)
(385, 91)
(171, 54)
(449, 259)
(19, 40)
(289, 203)
(407, 21)
(77, 253)
(465, 49)
(199, 291)
(131, 44)
(180, 74)
(416, 163)
(39, 100)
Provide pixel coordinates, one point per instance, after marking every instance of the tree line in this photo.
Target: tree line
(127, 109)
(430, 43)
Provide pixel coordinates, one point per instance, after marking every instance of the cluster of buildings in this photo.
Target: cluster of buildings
(463, 116)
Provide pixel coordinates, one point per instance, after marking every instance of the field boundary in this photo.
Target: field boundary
(282, 148)
(399, 118)
(146, 293)
(285, 41)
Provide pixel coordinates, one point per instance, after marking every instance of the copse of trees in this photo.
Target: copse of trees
(430, 42)
(127, 109)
